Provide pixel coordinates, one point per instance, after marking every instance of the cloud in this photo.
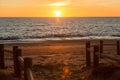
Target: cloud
(60, 2)
(79, 2)
(55, 3)
(95, 2)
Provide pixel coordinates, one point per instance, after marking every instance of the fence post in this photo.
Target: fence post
(18, 64)
(101, 46)
(88, 56)
(14, 59)
(96, 56)
(2, 62)
(118, 48)
(27, 65)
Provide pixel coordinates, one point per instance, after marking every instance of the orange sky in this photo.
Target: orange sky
(68, 8)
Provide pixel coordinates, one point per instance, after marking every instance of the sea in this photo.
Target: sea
(33, 29)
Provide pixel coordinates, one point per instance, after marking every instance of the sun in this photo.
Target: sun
(58, 13)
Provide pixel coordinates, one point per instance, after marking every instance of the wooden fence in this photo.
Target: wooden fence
(98, 52)
(20, 64)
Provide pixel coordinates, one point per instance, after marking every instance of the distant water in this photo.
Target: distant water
(36, 29)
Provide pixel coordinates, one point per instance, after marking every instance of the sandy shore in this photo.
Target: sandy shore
(67, 57)
(55, 47)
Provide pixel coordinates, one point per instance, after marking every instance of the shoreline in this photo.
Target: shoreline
(29, 41)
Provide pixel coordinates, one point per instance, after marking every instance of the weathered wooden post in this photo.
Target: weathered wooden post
(2, 62)
(27, 65)
(118, 48)
(18, 64)
(88, 56)
(96, 56)
(101, 46)
(14, 59)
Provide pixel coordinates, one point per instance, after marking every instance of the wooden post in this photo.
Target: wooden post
(14, 59)
(118, 48)
(101, 46)
(96, 56)
(27, 65)
(2, 62)
(88, 56)
(18, 64)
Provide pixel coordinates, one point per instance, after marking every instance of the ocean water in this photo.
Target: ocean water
(40, 29)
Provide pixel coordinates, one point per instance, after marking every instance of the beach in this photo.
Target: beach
(59, 40)
(59, 58)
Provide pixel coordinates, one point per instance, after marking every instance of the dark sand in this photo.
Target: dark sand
(60, 60)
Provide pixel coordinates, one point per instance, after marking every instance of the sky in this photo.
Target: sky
(65, 8)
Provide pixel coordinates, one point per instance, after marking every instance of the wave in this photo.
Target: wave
(52, 36)
(41, 28)
(10, 38)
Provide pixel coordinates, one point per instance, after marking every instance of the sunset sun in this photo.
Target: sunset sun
(57, 13)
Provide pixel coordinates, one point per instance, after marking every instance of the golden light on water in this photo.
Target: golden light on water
(58, 13)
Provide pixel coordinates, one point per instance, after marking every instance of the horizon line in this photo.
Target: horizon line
(56, 17)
